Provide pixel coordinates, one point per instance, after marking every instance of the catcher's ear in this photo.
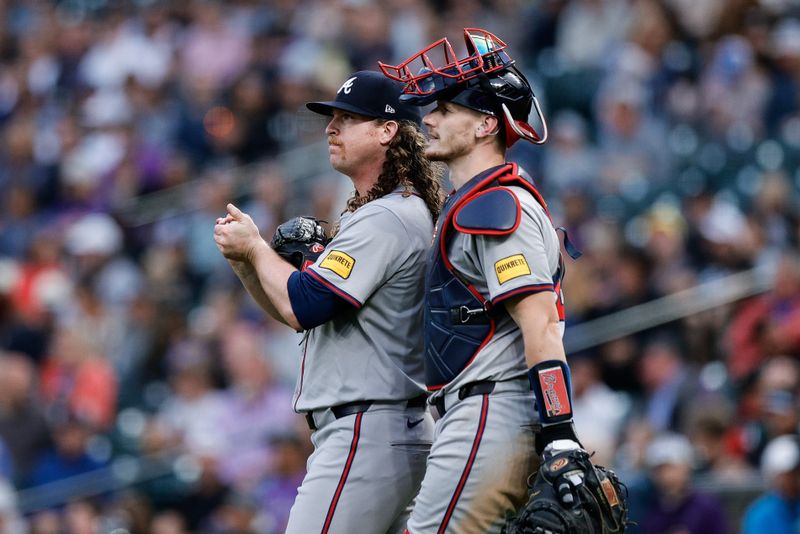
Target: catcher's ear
(489, 126)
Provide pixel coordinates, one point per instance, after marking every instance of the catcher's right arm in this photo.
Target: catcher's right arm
(300, 241)
(571, 496)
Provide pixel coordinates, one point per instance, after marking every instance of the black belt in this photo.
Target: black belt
(351, 408)
(484, 387)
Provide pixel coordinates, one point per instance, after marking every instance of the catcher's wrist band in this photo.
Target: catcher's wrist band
(552, 385)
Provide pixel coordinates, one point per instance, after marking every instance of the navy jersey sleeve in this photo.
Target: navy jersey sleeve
(313, 303)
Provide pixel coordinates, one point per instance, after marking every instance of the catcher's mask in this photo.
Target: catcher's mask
(486, 81)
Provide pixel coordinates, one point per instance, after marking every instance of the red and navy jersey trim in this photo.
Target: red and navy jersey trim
(341, 293)
(523, 290)
(348, 464)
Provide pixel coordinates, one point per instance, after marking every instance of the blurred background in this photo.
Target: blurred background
(142, 391)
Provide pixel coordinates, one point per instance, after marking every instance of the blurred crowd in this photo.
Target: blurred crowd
(142, 390)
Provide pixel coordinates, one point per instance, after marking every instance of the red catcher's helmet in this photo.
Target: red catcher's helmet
(486, 81)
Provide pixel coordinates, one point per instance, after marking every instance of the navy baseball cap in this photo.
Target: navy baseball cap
(371, 94)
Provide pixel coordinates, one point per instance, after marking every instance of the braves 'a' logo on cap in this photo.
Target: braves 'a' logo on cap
(347, 86)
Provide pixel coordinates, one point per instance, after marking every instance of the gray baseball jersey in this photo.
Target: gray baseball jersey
(374, 350)
(367, 467)
(497, 267)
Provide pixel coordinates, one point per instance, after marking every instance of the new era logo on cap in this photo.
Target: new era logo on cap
(371, 94)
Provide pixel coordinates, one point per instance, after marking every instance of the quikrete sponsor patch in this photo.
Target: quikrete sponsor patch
(338, 262)
(511, 267)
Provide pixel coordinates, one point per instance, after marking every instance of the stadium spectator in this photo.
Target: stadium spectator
(23, 427)
(77, 381)
(670, 390)
(68, 456)
(676, 506)
(255, 409)
(598, 411)
(717, 461)
(188, 417)
(778, 510)
(768, 325)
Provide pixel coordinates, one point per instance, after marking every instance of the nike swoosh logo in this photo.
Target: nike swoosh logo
(412, 424)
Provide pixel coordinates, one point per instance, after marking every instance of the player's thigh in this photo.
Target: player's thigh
(478, 467)
(403, 468)
(363, 474)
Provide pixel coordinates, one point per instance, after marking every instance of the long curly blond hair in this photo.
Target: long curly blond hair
(405, 165)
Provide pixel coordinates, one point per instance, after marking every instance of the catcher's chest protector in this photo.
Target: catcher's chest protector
(459, 321)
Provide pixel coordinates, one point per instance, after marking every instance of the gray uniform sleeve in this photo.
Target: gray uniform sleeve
(368, 249)
(523, 262)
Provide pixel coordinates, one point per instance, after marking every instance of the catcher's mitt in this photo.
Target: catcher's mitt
(571, 496)
(300, 241)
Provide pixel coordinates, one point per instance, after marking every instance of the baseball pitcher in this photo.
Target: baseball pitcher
(359, 298)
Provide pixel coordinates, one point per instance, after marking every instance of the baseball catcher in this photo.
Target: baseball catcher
(570, 495)
(494, 314)
(300, 241)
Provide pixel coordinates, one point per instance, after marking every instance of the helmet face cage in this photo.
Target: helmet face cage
(441, 75)
(437, 67)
